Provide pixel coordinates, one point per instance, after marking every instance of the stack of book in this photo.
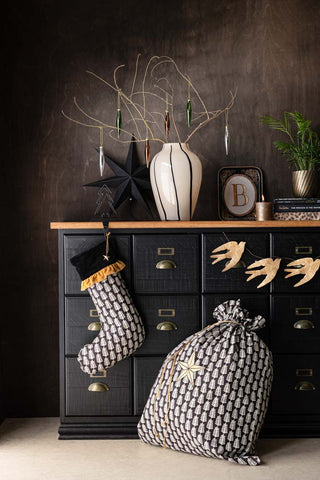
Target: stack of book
(296, 209)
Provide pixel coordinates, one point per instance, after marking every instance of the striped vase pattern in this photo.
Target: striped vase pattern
(176, 175)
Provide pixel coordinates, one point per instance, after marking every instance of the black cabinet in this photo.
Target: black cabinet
(99, 394)
(146, 370)
(166, 263)
(295, 323)
(175, 288)
(296, 388)
(295, 246)
(168, 319)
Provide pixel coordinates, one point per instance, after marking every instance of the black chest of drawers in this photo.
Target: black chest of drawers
(176, 287)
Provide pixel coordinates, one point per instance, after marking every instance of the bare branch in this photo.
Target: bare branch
(139, 114)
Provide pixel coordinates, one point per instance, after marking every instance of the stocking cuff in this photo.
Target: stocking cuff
(102, 274)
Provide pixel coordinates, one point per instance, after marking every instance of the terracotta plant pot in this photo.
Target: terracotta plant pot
(305, 183)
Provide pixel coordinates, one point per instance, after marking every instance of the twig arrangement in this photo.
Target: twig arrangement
(149, 124)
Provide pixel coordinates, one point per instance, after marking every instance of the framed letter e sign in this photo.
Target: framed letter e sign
(239, 188)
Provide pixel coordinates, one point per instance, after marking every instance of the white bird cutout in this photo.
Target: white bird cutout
(270, 270)
(234, 252)
(303, 266)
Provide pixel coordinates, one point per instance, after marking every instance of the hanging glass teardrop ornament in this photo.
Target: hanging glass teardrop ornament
(189, 109)
(189, 112)
(101, 155)
(167, 118)
(227, 139)
(167, 123)
(147, 153)
(101, 160)
(118, 118)
(227, 134)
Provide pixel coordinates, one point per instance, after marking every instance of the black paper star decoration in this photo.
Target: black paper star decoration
(129, 180)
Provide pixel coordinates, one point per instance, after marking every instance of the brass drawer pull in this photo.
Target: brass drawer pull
(304, 372)
(167, 326)
(166, 265)
(304, 311)
(93, 313)
(94, 326)
(303, 325)
(166, 312)
(303, 250)
(304, 386)
(98, 387)
(165, 251)
(101, 374)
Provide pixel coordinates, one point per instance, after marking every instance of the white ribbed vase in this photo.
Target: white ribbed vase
(176, 175)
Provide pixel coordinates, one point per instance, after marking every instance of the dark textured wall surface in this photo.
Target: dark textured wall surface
(269, 50)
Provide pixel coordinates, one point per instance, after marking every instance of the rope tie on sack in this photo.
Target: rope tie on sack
(165, 422)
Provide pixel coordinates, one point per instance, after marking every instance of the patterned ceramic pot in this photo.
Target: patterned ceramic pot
(176, 175)
(305, 183)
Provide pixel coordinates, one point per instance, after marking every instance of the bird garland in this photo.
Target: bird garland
(304, 266)
(233, 251)
(270, 269)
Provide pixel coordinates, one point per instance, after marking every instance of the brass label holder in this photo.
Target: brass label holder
(299, 250)
(304, 372)
(103, 374)
(303, 311)
(165, 251)
(166, 312)
(93, 313)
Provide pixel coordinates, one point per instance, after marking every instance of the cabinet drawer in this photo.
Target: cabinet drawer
(81, 401)
(168, 320)
(75, 244)
(235, 279)
(166, 263)
(81, 323)
(255, 304)
(146, 370)
(295, 325)
(296, 384)
(292, 246)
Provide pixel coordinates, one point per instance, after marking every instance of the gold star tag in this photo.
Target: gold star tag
(188, 369)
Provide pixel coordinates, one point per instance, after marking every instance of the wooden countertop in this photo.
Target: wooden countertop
(193, 224)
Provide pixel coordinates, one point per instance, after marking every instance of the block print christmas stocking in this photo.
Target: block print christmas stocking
(122, 331)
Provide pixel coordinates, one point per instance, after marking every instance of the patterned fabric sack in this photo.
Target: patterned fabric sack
(122, 330)
(211, 395)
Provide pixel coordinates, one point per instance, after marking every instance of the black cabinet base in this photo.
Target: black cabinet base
(73, 431)
(290, 430)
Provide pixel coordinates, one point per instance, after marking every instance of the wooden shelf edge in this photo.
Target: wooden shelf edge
(191, 224)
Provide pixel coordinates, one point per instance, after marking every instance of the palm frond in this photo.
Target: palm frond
(303, 150)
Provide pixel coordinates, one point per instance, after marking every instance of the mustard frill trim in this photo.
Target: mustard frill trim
(102, 274)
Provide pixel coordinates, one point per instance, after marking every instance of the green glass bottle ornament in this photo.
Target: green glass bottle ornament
(189, 112)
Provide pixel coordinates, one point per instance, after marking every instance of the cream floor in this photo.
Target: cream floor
(29, 450)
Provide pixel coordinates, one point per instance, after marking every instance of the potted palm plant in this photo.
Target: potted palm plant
(302, 151)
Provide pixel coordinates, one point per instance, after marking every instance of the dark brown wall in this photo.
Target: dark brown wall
(269, 50)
